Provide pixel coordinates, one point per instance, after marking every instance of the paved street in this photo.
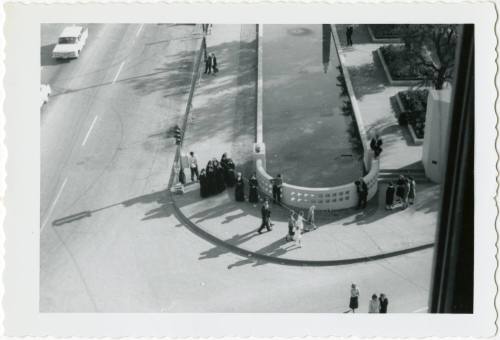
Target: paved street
(110, 241)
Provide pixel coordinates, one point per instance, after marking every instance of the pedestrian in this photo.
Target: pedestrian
(224, 161)
(193, 166)
(376, 145)
(253, 184)
(266, 218)
(311, 216)
(412, 190)
(291, 226)
(277, 185)
(219, 174)
(353, 302)
(374, 305)
(384, 302)
(214, 64)
(299, 228)
(406, 193)
(348, 32)
(389, 196)
(230, 175)
(400, 189)
(362, 190)
(203, 184)
(211, 179)
(239, 191)
(208, 64)
(182, 176)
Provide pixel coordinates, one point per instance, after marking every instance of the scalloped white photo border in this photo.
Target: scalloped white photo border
(19, 200)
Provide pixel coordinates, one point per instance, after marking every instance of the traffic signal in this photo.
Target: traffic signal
(178, 135)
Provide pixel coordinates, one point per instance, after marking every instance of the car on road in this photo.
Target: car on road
(70, 42)
(45, 92)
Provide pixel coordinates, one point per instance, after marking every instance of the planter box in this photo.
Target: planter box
(402, 108)
(405, 82)
(383, 40)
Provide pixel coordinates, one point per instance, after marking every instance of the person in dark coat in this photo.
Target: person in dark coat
(362, 190)
(389, 196)
(203, 183)
(348, 33)
(384, 302)
(214, 64)
(277, 185)
(219, 175)
(239, 191)
(400, 189)
(182, 176)
(253, 195)
(376, 145)
(224, 161)
(230, 174)
(211, 179)
(208, 64)
(413, 190)
(266, 218)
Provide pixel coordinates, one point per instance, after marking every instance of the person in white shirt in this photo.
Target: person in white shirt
(353, 302)
(299, 228)
(374, 304)
(193, 166)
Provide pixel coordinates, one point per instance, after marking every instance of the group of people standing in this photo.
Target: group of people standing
(377, 304)
(215, 177)
(403, 192)
(211, 64)
(296, 225)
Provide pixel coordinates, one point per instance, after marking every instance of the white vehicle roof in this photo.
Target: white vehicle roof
(71, 31)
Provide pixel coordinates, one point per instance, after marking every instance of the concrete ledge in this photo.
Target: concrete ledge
(382, 40)
(416, 140)
(389, 77)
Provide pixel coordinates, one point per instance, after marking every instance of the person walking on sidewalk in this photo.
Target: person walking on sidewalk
(353, 301)
(266, 218)
(348, 33)
(193, 166)
(362, 190)
(253, 184)
(412, 190)
(208, 64)
(389, 196)
(311, 217)
(384, 302)
(299, 228)
(239, 191)
(376, 145)
(277, 185)
(374, 305)
(214, 64)
(291, 226)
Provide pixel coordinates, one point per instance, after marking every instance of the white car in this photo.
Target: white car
(45, 92)
(71, 42)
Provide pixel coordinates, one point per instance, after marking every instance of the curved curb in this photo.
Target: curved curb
(278, 260)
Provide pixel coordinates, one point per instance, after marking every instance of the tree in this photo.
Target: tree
(433, 47)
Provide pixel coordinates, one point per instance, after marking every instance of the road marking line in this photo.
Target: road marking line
(88, 132)
(54, 203)
(139, 30)
(119, 70)
(421, 309)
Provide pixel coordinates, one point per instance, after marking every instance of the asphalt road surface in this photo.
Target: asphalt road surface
(109, 241)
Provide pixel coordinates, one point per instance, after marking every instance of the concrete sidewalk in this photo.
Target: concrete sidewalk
(345, 235)
(374, 93)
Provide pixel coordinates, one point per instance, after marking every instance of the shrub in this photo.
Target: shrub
(415, 103)
(386, 31)
(402, 64)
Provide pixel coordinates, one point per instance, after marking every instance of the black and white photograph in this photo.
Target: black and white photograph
(327, 168)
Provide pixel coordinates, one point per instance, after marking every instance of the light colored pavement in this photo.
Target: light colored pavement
(373, 93)
(102, 177)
